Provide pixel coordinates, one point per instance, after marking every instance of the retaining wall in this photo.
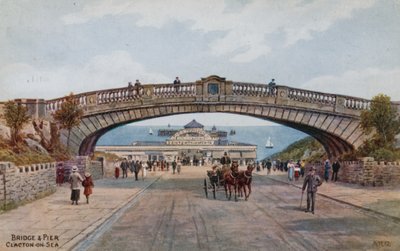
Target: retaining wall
(25, 183)
(366, 172)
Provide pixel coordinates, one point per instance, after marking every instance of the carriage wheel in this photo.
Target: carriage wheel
(205, 187)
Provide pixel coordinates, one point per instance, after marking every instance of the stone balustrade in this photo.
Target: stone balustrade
(357, 103)
(129, 94)
(177, 90)
(249, 89)
(119, 95)
(312, 97)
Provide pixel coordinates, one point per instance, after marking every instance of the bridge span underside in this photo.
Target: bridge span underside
(333, 132)
(334, 120)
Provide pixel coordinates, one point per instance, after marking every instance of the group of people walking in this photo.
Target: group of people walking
(137, 167)
(134, 166)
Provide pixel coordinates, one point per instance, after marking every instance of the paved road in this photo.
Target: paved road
(173, 214)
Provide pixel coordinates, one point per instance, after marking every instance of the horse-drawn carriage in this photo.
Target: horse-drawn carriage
(215, 182)
(225, 178)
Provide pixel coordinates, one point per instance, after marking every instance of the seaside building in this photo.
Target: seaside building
(192, 144)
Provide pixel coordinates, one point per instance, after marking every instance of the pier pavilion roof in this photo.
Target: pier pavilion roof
(193, 124)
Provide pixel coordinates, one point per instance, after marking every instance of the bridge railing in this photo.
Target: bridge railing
(311, 97)
(356, 103)
(129, 94)
(175, 90)
(250, 89)
(55, 104)
(119, 95)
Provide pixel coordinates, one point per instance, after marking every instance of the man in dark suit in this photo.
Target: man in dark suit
(311, 181)
(335, 169)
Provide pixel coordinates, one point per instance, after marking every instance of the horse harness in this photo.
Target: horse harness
(248, 177)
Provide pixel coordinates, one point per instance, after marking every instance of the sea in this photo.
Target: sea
(281, 136)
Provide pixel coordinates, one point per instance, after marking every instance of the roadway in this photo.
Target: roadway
(174, 214)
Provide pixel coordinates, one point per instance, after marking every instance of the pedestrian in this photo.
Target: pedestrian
(258, 168)
(137, 83)
(132, 166)
(137, 168)
(290, 170)
(335, 169)
(124, 167)
(272, 83)
(88, 186)
(296, 172)
(312, 181)
(60, 175)
(177, 81)
(269, 165)
(144, 170)
(75, 179)
(173, 166)
(274, 165)
(116, 171)
(178, 166)
(302, 168)
(327, 168)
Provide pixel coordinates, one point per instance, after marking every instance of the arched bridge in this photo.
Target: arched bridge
(334, 120)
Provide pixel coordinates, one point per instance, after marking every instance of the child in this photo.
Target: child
(296, 172)
(88, 185)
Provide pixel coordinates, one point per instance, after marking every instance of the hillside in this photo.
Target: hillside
(308, 149)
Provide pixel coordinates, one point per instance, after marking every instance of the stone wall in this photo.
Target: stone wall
(84, 165)
(19, 184)
(366, 172)
(95, 168)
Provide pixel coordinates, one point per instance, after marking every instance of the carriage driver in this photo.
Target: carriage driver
(225, 161)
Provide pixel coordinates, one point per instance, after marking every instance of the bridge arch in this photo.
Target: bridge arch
(334, 120)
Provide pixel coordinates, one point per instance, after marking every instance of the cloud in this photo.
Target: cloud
(101, 72)
(363, 83)
(244, 30)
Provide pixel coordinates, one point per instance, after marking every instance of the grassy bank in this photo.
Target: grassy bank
(308, 149)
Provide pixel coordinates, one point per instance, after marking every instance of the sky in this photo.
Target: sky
(51, 48)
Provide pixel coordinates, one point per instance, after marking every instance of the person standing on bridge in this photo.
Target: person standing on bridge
(177, 81)
(312, 181)
(272, 83)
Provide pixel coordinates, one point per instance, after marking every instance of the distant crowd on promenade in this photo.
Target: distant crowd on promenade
(297, 169)
(143, 167)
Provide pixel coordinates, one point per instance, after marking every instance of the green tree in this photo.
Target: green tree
(69, 115)
(383, 121)
(383, 118)
(16, 117)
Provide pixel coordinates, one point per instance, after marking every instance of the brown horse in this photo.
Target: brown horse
(244, 180)
(230, 179)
